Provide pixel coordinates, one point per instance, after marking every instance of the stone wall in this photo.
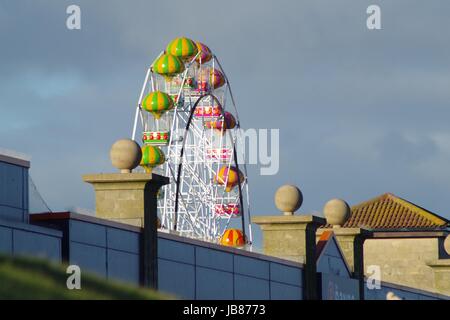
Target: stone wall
(403, 261)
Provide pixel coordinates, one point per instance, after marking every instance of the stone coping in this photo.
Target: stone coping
(15, 160)
(31, 228)
(345, 231)
(282, 219)
(377, 234)
(409, 234)
(124, 177)
(55, 216)
(440, 263)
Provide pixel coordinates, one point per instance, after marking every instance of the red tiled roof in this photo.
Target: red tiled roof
(391, 212)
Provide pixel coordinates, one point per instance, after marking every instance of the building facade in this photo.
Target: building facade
(321, 263)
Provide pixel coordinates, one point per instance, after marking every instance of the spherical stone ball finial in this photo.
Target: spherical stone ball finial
(125, 155)
(447, 244)
(288, 199)
(392, 296)
(336, 211)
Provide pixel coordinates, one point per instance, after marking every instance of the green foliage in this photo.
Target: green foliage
(27, 278)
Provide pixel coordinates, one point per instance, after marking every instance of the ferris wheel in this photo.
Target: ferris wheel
(191, 134)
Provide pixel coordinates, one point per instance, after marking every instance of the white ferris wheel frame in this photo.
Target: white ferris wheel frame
(197, 220)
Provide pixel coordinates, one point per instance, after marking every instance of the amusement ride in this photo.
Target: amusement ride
(191, 134)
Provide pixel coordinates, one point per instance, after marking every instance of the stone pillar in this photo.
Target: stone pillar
(441, 269)
(122, 197)
(288, 237)
(351, 240)
(131, 198)
(293, 238)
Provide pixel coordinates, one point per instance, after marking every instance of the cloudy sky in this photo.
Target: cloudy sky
(360, 112)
